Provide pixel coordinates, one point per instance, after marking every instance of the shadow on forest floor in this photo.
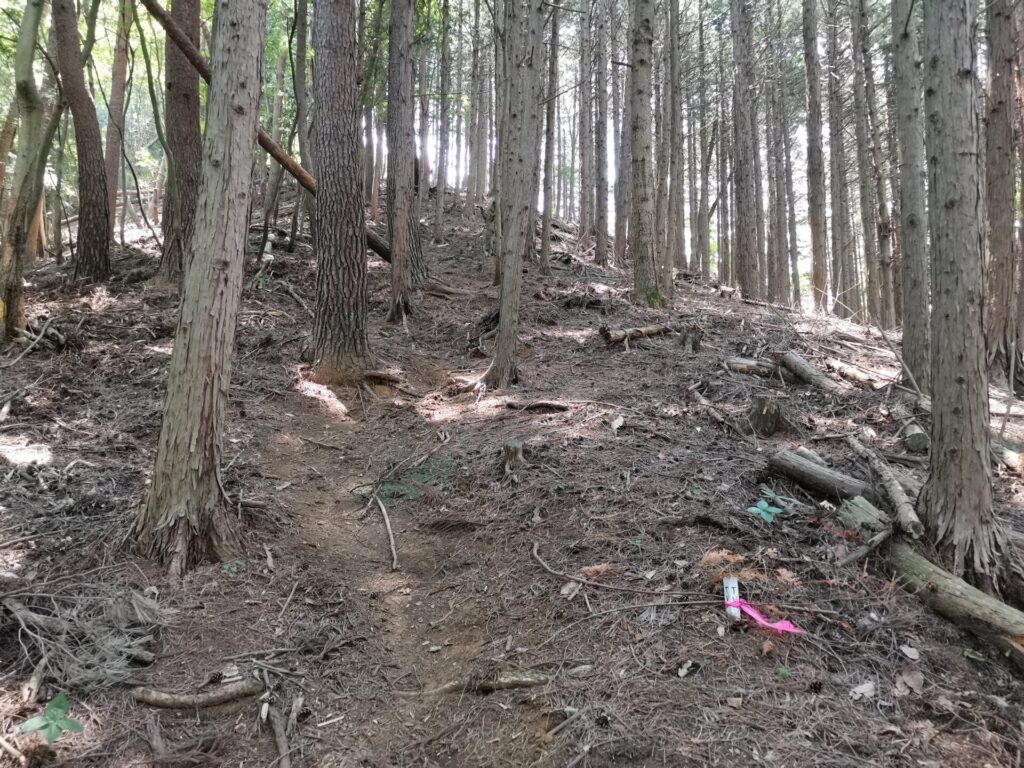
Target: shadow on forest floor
(628, 482)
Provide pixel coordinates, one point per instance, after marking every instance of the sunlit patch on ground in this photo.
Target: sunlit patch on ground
(324, 394)
(19, 451)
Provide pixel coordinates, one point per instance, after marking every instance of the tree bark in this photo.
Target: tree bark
(340, 343)
(423, 76)
(523, 62)
(115, 107)
(646, 290)
(676, 224)
(94, 230)
(401, 181)
(586, 117)
(956, 501)
(1000, 189)
(182, 521)
(184, 142)
(624, 165)
(746, 256)
(913, 217)
(442, 126)
(815, 158)
(601, 137)
(549, 147)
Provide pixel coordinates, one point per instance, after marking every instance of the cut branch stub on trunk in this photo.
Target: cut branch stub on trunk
(807, 373)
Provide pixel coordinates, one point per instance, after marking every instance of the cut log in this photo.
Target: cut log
(690, 338)
(614, 335)
(751, 366)
(807, 373)
(906, 517)
(915, 439)
(512, 455)
(822, 480)
(373, 241)
(221, 695)
(810, 455)
(852, 373)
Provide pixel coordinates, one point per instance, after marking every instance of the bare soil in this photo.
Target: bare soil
(629, 482)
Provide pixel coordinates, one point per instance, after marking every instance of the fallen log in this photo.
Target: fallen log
(852, 373)
(807, 373)
(751, 366)
(221, 695)
(906, 517)
(614, 335)
(823, 480)
(946, 594)
(373, 241)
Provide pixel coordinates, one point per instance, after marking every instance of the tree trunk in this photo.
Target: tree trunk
(601, 137)
(549, 147)
(94, 228)
(401, 182)
(883, 219)
(7, 133)
(662, 151)
(646, 290)
(725, 270)
(869, 228)
(340, 344)
(703, 239)
(475, 104)
(586, 117)
(184, 142)
(115, 107)
(746, 256)
(1000, 189)
(624, 165)
(956, 501)
(182, 521)
(815, 158)
(442, 127)
(523, 65)
(676, 224)
(913, 218)
(423, 75)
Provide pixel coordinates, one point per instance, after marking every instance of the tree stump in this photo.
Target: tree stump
(766, 417)
(916, 439)
(512, 456)
(690, 338)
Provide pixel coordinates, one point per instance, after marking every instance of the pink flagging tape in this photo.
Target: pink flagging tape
(782, 627)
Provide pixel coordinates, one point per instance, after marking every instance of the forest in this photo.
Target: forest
(511, 383)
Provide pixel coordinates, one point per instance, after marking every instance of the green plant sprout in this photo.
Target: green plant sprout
(54, 720)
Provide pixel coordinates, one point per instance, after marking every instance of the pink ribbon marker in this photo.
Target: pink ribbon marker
(782, 627)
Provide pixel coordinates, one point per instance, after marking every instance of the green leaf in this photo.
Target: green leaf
(974, 655)
(783, 673)
(774, 510)
(34, 724)
(762, 504)
(754, 510)
(51, 732)
(697, 491)
(58, 707)
(70, 725)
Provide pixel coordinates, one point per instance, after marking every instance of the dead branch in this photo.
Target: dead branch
(823, 480)
(587, 582)
(391, 534)
(277, 724)
(906, 517)
(32, 344)
(13, 751)
(221, 695)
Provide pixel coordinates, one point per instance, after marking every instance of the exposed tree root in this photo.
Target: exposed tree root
(211, 698)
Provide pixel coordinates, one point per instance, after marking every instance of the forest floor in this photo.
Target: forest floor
(629, 483)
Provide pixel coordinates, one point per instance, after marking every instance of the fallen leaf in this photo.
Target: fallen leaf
(596, 571)
(767, 648)
(787, 577)
(583, 670)
(743, 574)
(734, 701)
(617, 424)
(863, 691)
(686, 669)
(910, 679)
(910, 652)
(570, 589)
(716, 558)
